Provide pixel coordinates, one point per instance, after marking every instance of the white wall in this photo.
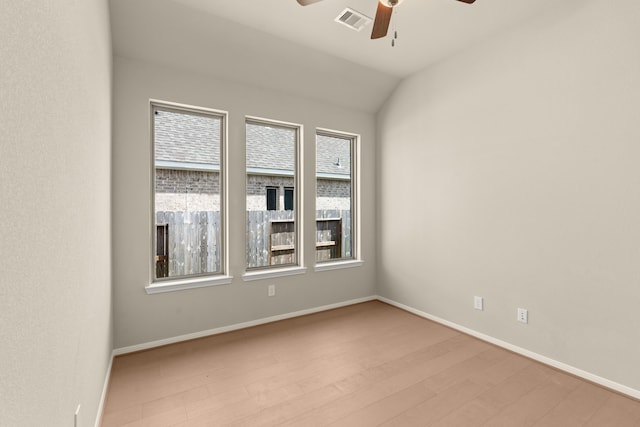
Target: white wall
(55, 251)
(511, 172)
(140, 318)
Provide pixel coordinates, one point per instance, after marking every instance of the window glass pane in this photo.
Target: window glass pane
(288, 199)
(271, 165)
(186, 192)
(334, 189)
(272, 199)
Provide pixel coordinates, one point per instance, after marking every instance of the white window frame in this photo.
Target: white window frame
(272, 271)
(222, 277)
(356, 254)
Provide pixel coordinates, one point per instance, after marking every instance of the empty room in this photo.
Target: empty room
(319, 212)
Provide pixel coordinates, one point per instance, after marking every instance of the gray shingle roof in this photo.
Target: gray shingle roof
(333, 155)
(189, 137)
(270, 147)
(193, 138)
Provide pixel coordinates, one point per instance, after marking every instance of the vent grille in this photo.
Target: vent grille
(353, 19)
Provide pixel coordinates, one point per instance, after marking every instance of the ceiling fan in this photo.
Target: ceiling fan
(383, 15)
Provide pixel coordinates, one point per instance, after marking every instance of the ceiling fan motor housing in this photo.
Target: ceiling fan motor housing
(390, 3)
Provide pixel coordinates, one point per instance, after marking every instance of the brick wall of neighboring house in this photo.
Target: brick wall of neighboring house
(332, 188)
(257, 190)
(333, 194)
(187, 202)
(181, 190)
(187, 181)
(187, 190)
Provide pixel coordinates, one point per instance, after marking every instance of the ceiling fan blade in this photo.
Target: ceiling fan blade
(381, 23)
(467, 1)
(307, 2)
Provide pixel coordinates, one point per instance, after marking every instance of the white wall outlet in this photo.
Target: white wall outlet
(523, 315)
(478, 303)
(271, 290)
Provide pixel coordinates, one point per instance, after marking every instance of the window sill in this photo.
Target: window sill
(273, 272)
(179, 285)
(338, 265)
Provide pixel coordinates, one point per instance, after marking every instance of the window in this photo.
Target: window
(272, 199)
(187, 191)
(288, 199)
(335, 191)
(272, 150)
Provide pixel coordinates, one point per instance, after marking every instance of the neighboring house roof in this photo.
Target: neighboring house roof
(270, 147)
(195, 139)
(333, 155)
(187, 138)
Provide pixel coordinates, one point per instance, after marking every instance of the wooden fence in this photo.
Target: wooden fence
(193, 239)
(260, 244)
(326, 232)
(258, 241)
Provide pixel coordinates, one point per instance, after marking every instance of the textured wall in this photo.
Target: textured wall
(527, 151)
(55, 250)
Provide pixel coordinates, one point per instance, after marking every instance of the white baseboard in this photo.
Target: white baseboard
(612, 385)
(105, 388)
(223, 329)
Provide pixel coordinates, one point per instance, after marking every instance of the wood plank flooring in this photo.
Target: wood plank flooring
(369, 364)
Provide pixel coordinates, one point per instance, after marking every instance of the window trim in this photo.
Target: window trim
(356, 254)
(298, 267)
(169, 284)
(270, 273)
(338, 264)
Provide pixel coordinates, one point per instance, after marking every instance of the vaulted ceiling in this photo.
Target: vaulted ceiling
(280, 45)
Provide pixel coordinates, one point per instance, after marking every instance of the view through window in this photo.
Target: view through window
(334, 196)
(271, 151)
(187, 192)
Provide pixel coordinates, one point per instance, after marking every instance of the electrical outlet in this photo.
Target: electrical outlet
(478, 303)
(271, 290)
(523, 315)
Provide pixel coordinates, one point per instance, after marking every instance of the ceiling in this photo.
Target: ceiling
(278, 44)
(428, 30)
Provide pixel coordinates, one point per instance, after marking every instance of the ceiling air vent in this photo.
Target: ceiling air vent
(353, 19)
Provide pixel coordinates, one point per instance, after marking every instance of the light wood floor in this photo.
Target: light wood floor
(365, 365)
